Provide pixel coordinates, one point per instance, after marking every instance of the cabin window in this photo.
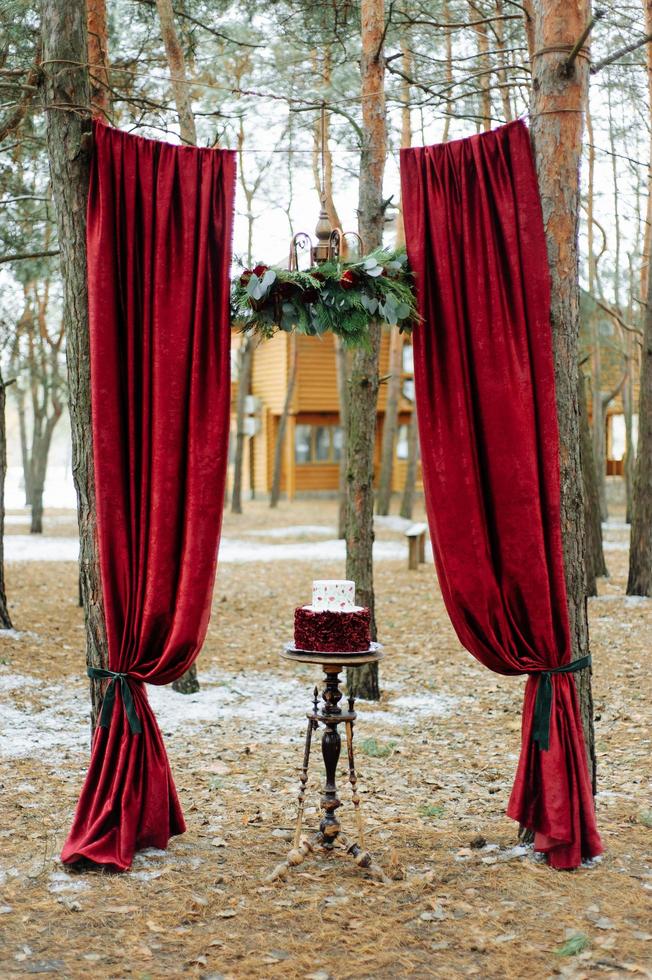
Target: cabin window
(317, 444)
(408, 359)
(402, 446)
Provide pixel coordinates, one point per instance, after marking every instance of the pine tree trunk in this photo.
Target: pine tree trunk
(39, 467)
(363, 382)
(593, 554)
(598, 421)
(279, 445)
(63, 25)
(559, 98)
(628, 409)
(24, 452)
(390, 423)
(177, 67)
(342, 372)
(244, 381)
(98, 57)
(407, 501)
(5, 619)
(639, 581)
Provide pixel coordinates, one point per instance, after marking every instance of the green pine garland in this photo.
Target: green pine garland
(337, 297)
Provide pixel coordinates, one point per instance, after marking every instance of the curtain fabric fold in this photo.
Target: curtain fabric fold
(487, 418)
(159, 247)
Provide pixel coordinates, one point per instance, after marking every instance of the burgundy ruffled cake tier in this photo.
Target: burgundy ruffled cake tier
(332, 632)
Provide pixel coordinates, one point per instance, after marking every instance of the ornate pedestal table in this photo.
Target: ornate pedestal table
(330, 715)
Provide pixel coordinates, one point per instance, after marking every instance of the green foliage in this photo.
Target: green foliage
(430, 810)
(371, 747)
(574, 945)
(342, 298)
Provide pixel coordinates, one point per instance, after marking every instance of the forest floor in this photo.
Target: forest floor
(436, 759)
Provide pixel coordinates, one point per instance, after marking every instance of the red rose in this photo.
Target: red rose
(348, 279)
(260, 270)
(245, 277)
(287, 289)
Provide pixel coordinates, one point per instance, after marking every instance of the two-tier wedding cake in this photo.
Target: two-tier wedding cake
(332, 623)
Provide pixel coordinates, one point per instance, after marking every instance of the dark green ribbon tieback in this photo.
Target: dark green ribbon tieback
(116, 677)
(543, 703)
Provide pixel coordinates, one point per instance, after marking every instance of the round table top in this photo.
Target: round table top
(370, 656)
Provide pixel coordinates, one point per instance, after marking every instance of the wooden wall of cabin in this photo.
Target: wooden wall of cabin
(315, 402)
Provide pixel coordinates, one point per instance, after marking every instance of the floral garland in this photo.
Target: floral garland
(337, 297)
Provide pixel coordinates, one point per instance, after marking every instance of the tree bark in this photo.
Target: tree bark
(24, 452)
(245, 360)
(177, 66)
(279, 445)
(98, 57)
(407, 500)
(628, 409)
(63, 25)
(363, 382)
(559, 98)
(593, 553)
(342, 373)
(597, 407)
(639, 580)
(390, 422)
(5, 619)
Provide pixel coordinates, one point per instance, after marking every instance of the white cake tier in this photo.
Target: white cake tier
(335, 595)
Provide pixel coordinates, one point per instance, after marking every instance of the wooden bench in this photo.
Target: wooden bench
(416, 536)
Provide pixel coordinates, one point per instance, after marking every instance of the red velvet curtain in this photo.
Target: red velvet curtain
(159, 246)
(489, 442)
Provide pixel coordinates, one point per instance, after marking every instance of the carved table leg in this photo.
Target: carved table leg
(331, 745)
(353, 779)
(312, 725)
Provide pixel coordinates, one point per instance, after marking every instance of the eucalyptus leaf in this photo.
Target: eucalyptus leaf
(268, 279)
(253, 284)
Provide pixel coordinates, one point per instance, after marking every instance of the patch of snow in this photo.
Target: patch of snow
(61, 881)
(392, 522)
(424, 705)
(17, 682)
(234, 551)
(47, 733)
(636, 600)
(25, 519)
(11, 634)
(260, 703)
(294, 531)
(614, 525)
(59, 488)
(37, 547)
(40, 547)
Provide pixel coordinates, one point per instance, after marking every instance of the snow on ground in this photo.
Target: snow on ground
(294, 531)
(59, 488)
(40, 547)
(257, 703)
(392, 522)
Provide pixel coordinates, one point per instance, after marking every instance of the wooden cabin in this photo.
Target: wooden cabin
(312, 442)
